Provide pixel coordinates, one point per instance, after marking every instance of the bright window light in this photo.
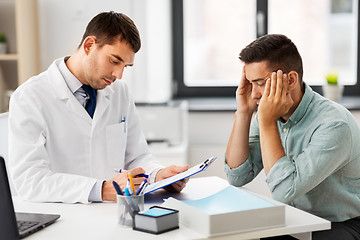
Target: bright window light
(215, 31)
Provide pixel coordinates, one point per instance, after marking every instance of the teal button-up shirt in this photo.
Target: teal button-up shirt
(320, 172)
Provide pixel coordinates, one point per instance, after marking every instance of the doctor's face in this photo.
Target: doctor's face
(103, 65)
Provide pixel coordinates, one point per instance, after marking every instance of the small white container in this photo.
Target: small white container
(3, 48)
(333, 92)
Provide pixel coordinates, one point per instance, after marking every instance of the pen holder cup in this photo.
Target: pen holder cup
(127, 206)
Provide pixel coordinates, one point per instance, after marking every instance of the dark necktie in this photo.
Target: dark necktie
(91, 103)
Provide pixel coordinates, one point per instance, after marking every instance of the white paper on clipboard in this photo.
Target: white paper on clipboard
(191, 171)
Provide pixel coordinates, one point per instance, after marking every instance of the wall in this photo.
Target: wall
(208, 136)
(209, 133)
(62, 24)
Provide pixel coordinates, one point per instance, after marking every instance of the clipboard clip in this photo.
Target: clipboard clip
(207, 163)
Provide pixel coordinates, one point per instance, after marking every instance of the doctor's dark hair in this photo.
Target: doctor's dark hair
(278, 50)
(108, 27)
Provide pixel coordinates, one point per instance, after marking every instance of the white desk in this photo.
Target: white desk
(99, 220)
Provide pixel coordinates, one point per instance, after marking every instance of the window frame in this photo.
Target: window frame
(183, 91)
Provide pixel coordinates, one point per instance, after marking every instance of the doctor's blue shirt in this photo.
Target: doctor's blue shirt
(320, 172)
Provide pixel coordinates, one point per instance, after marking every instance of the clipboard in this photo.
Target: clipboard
(191, 171)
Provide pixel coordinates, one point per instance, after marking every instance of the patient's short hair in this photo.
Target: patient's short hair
(278, 50)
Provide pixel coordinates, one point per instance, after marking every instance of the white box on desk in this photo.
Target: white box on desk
(214, 224)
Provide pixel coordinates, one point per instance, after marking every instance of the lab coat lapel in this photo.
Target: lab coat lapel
(62, 92)
(102, 101)
(74, 105)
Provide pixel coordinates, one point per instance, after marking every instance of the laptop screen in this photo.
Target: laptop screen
(8, 224)
(18, 225)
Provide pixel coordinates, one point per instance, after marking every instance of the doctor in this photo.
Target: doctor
(72, 125)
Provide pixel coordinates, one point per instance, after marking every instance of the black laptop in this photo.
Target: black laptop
(17, 225)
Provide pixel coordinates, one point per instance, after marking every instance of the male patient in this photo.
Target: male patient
(308, 146)
(71, 126)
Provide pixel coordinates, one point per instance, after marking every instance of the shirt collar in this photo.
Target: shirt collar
(72, 82)
(303, 105)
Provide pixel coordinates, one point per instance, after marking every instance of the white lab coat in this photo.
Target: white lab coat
(57, 152)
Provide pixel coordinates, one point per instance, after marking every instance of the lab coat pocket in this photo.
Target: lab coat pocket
(116, 144)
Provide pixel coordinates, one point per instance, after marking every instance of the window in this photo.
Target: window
(325, 33)
(209, 35)
(210, 55)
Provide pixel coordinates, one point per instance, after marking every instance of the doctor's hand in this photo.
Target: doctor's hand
(171, 171)
(108, 191)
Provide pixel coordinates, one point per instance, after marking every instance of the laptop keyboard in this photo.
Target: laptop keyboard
(24, 225)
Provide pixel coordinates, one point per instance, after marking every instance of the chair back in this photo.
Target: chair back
(4, 133)
(4, 144)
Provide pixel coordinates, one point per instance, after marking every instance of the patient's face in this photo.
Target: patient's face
(257, 73)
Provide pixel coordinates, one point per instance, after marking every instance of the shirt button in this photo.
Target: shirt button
(284, 129)
(295, 122)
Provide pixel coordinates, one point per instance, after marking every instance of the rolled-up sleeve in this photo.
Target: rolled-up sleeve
(241, 175)
(328, 150)
(247, 171)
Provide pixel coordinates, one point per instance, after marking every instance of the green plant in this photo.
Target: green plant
(2, 38)
(332, 78)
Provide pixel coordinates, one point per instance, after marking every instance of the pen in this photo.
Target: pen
(117, 188)
(125, 203)
(142, 175)
(132, 205)
(129, 188)
(131, 183)
(119, 171)
(141, 187)
(139, 175)
(127, 192)
(129, 203)
(144, 188)
(123, 120)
